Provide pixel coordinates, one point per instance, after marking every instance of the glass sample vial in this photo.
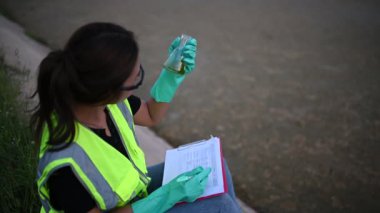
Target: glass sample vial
(174, 62)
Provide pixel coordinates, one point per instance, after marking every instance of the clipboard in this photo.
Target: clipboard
(207, 153)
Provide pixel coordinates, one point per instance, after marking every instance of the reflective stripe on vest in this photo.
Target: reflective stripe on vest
(128, 116)
(82, 165)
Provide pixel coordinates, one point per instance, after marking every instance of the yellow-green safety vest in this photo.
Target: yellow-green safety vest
(110, 178)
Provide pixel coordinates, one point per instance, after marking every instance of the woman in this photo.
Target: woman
(89, 160)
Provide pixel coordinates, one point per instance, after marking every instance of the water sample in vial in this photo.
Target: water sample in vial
(174, 62)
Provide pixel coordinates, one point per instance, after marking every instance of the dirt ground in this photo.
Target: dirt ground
(291, 87)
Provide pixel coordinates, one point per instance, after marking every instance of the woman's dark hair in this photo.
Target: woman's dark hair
(90, 69)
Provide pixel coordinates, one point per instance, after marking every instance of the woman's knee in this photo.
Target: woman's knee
(228, 204)
(222, 203)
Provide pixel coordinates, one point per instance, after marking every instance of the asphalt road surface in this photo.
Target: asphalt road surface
(291, 88)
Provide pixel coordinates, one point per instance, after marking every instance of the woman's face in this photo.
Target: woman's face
(132, 80)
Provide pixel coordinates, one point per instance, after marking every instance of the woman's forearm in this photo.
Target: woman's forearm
(150, 113)
(157, 110)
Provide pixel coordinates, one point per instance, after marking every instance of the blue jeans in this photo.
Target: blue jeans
(223, 203)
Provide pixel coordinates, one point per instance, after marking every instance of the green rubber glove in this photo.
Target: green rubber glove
(168, 82)
(185, 187)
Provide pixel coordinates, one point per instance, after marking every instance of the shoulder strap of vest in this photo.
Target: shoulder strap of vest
(128, 117)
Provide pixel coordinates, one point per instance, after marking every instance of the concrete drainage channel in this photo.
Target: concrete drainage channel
(23, 53)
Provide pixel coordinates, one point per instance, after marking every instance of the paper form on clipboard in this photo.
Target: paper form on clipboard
(206, 153)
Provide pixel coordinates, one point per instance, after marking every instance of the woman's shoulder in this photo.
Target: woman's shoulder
(134, 103)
